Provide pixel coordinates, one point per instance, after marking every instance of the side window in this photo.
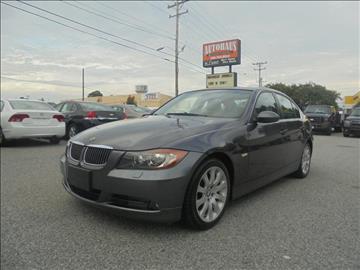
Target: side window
(68, 107)
(296, 110)
(58, 106)
(286, 107)
(265, 102)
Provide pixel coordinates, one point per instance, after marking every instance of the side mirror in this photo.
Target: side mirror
(267, 117)
(149, 113)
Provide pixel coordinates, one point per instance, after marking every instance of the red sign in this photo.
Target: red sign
(221, 53)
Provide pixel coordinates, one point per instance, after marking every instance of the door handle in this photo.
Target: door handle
(283, 131)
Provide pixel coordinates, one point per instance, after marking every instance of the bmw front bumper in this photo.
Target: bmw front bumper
(153, 195)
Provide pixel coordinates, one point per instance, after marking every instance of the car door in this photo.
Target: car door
(264, 140)
(69, 111)
(293, 130)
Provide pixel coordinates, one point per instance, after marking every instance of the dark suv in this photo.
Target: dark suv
(352, 123)
(322, 117)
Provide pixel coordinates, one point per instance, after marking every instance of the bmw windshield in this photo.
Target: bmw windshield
(208, 103)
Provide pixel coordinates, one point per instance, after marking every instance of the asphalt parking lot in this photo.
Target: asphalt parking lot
(311, 223)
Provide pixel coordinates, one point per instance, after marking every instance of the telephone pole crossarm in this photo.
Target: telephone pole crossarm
(259, 69)
(180, 13)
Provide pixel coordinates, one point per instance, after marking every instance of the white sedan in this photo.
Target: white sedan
(22, 118)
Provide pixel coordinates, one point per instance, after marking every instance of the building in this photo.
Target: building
(351, 101)
(151, 100)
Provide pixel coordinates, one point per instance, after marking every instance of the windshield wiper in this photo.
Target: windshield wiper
(186, 113)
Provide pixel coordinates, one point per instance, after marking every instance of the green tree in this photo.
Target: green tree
(131, 100)
(308, 93)
(95, 93)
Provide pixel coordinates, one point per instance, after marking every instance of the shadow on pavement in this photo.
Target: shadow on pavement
(107, 215)
(29, 143)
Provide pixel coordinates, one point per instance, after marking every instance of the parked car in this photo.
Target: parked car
(83, 115)
(53, 104)
(23, 118)
(191, 156)
(132, 111)
(323, 118)
(352, 123)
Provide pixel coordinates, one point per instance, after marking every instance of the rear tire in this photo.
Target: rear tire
(54, 140)
(328, 132)
(207, 195)
(345, 135)
(304, 167)
(2, 138)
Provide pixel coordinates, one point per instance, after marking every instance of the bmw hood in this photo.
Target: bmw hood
(151, 132)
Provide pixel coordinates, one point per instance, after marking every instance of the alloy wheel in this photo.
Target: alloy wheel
(211, 194)
(306, 158)
(72, 131)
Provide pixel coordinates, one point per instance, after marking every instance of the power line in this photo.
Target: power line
(64, 84)
(110, 34)
(87, 26)
(165, 12)
(133, 17)
(137, 27)
(137, 43)
(222, 30)
(85, 32)
(206, 27)
(156, 7)
(259, 69)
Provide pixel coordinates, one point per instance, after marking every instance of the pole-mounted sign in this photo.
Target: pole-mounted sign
(222, 53)
(221, 80)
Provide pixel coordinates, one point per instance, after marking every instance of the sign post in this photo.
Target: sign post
(222, 53)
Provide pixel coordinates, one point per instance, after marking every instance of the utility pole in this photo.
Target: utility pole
(259, 69)
(177, 15)
(83, 85)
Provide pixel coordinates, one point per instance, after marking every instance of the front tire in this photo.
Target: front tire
(207, 195)
(2, 138)
(304, 167)
(72, 130)
(345, 134)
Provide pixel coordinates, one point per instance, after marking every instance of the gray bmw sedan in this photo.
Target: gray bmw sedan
(192, 156)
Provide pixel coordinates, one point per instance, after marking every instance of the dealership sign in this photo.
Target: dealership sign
(221, 53)
(221, 80)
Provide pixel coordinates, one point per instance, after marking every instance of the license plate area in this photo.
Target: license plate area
(79, 177)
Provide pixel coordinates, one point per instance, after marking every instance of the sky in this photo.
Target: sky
(301, 42)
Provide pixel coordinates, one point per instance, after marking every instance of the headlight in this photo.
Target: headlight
(152, 159)
(347, 123)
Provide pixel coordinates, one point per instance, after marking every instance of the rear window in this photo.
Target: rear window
(318, 109)
(30, 105)
(96, 107)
